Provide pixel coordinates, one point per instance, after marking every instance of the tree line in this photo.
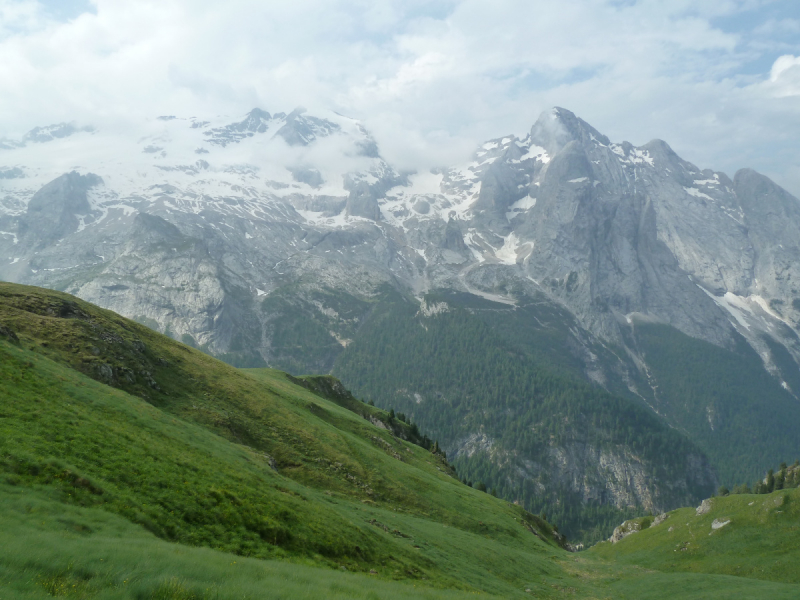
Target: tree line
(787, 477)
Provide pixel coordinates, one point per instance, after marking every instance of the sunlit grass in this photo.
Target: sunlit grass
(223, 484)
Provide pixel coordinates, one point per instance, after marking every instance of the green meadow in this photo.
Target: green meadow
(756, 536)
(132, 466)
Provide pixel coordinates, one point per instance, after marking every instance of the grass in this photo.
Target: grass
(177, 476)
(56, 550)
(192, 460)
(761, 541)
(64, 551)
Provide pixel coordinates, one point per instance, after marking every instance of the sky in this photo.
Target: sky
(719, 80)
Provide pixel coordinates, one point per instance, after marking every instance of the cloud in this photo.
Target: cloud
(785, 76)
(429, 79)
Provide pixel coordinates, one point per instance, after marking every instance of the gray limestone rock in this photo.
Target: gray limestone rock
(556, 128)
(300, 129)
(53, 212)
(308, 175)
(608, 236)
(362, 202)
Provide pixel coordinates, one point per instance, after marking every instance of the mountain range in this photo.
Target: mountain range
(588, 327)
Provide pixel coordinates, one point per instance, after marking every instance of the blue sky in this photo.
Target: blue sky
(64, 10)
(718, 80)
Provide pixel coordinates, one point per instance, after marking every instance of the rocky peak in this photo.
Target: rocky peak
(47, 134)
(53, 211)
(149, 228)
(661, 151)
(557, 127)
(300, 129)
(256, 121)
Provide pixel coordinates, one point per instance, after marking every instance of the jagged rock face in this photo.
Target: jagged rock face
(204, 229)
(625, 481)
(57, 210)
(608, 230)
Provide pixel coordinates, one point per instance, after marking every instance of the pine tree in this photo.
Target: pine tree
(770, 482)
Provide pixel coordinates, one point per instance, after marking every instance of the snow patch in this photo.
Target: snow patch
(14, 235)
(697, 193)
(509, 252)
(766, 307)
(736, 306)
(537, 152)
(578, 180)
(745, 310)
(520, 206)
(641, 156)
(714, 181)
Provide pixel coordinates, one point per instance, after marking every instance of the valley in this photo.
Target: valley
(592, 329)
(133, 466)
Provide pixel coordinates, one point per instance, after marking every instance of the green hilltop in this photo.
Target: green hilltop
(743, 535)
(133, 466)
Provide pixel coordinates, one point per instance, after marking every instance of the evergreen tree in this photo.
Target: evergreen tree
(770, 484)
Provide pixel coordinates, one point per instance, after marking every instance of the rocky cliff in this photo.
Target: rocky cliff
(269, 239)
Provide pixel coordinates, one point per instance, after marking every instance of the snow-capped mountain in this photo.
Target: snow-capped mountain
(220, 231)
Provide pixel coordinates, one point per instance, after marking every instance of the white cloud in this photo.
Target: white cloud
(430, 79)
(785, 76)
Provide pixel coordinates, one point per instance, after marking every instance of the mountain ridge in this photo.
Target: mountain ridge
(264, 250)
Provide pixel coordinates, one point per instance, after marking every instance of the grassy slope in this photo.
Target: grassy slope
(85, 466)
(50, 549)
(345, 492)
(762, 540)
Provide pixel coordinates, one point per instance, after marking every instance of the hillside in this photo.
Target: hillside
(135, 467)
(200, 453)
(743, 535)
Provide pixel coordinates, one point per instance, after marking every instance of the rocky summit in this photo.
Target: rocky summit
(286, 240)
